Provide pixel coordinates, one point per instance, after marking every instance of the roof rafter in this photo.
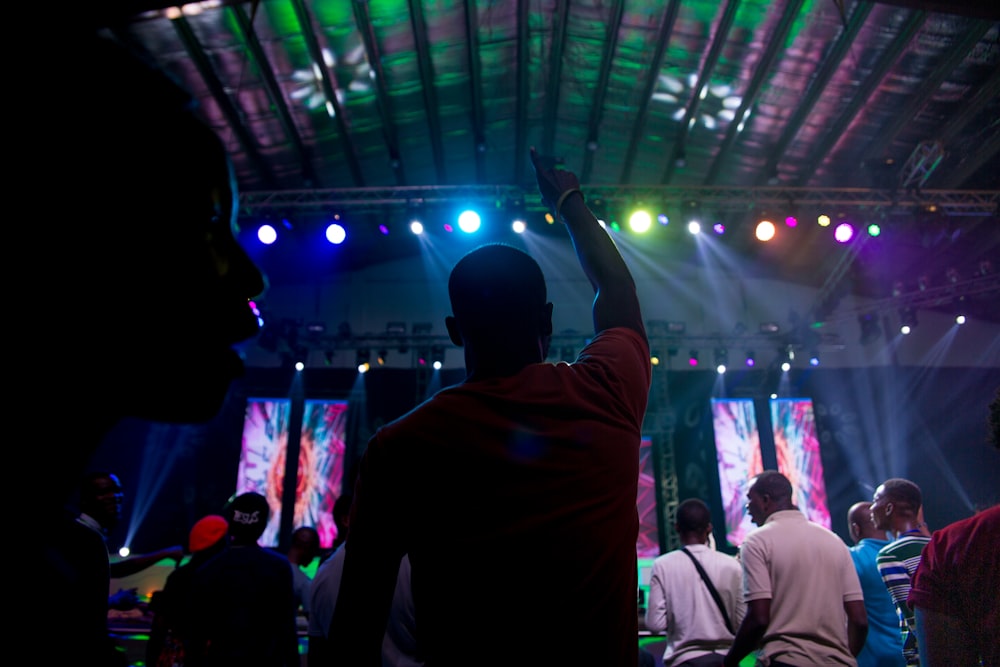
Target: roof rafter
(601, 90)
(699, 91)
(475, 88)
(426, 65)
(656, 64)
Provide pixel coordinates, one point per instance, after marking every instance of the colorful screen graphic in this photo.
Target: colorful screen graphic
(797, 450)
(262, 459)
(737, 451)
(320, 465)
(648, 544)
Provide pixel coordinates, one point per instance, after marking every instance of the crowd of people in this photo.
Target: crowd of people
(543, 455)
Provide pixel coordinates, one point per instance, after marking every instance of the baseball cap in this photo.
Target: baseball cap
(206, 532)
(248, 514)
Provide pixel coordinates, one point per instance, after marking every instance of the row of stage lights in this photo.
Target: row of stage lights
(640, 221)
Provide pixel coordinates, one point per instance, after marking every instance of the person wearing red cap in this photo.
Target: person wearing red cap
(168, 634)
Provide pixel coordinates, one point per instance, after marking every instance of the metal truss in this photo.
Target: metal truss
(955, 202)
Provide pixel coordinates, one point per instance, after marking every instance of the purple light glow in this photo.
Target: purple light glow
(719, 228)
(791, 221)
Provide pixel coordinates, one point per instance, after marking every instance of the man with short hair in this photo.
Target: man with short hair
(522, 477)
(242, 599)
(896, 509)
(883, 645)
(804, 600)
(680, 603)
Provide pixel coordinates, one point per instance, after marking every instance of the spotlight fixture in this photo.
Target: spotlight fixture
(381, 357)
(814, 357)
(362, 360)
(721, 358)
(437, 357)
(870, 330)
(693, 358)
(907, 320)
(750, 359)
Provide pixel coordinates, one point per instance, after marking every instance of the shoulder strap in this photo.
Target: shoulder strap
(711, 589)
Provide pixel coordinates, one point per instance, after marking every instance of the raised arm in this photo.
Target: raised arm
(615, 302)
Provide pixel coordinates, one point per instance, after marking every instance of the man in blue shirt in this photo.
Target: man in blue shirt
(884, 644)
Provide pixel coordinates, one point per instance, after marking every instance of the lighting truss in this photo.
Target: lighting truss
(955, 202)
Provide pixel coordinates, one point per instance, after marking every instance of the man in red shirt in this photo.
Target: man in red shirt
(513, 492)
(954, 593)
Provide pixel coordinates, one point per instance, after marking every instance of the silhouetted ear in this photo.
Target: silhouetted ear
(451, 324)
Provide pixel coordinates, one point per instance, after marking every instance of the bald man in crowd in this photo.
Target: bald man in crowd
(804, 600)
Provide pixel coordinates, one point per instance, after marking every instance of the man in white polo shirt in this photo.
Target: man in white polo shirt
(803, 596)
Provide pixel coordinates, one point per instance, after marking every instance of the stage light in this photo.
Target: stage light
(693, 358)
(362, 359)
(844, 232)
(640, 221)
(870, 330)
(694, 227)
(907, 320)
(960, 319)
(469, 221)
(335, 233)
(663, 219)
(785, 366)
(267, 234)
(765, 230)
(383, 229)
(874, 229)
(519, 226)
(676, 327)
(416, 227)
(654, 358)
(823, 220)
(719, 228)
(721, 359)
(299, 366)
(791, 221)
(381, 356)
(814, 358)
(437, 357)
(721, 369)
(769, 327)
(751, 359)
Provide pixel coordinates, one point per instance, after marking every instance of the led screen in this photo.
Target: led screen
(797, 448)
(319, 470)
(321, 467)
(262, 457)
(648, 544)
(737, 451)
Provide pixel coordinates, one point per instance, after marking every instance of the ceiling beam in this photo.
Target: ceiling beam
(818, 83)
(862, 95)
(556, 50)
(475, 88)
(775, 44)
(329, 86)
(601, 90)
(246, 31)
(523, 90)
(701, 89)
(921, 97)
(426, 66)
(970, 109)
(221, 97)
(653, 76)
(383, 102)
(972, 162)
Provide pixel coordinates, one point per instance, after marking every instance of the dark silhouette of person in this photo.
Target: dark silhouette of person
(242, 599)
(141, 269)
(524, 473)
(169, 633)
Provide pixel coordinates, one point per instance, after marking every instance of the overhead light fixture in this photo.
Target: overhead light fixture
(437, 357)
(907, 320)
(693, 358)
(676, 327)
(721, 359)
(870, 329)
(769, 327)
(751, 359)
(362, 359)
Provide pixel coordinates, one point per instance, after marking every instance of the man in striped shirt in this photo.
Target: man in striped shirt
(896, 509)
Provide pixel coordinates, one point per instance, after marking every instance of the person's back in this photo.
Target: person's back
(524, 474)
(884, 644)
(804, 600)
(680, 603)
(170, 632)
(242, 598)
